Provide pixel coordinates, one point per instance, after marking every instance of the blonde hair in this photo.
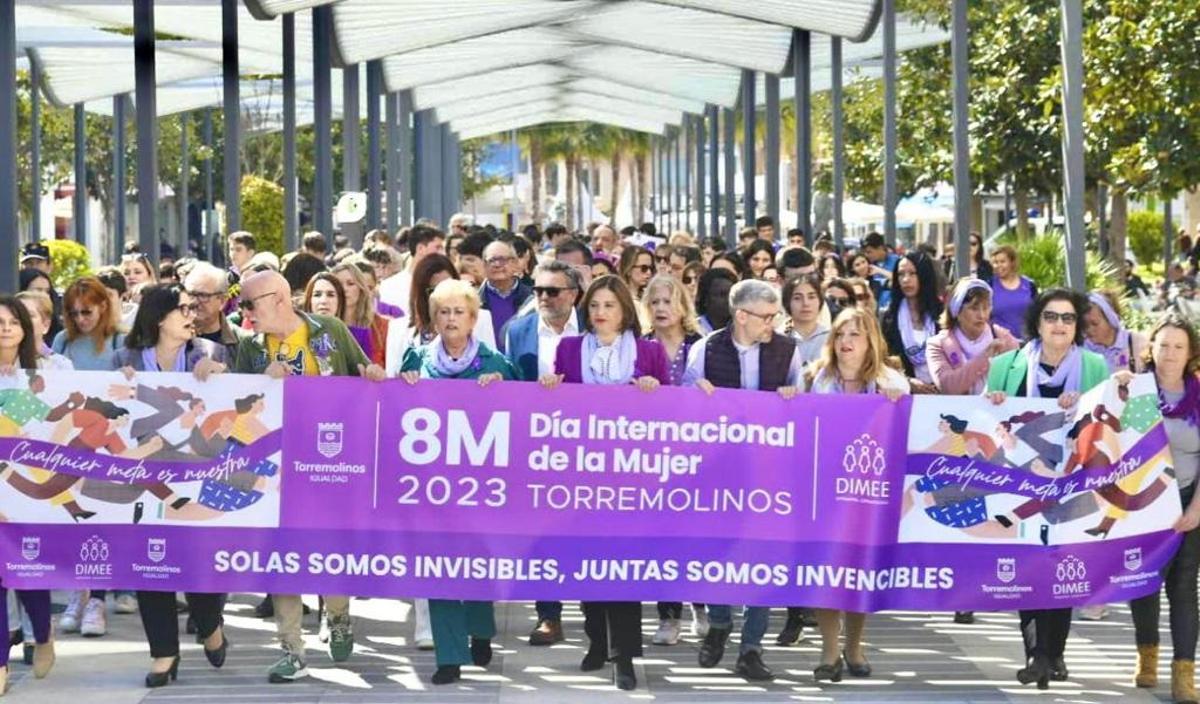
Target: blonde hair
(681, 238)
(450, 290)
(41, 301)
(681, 301)
(876, 359)
(363, 314)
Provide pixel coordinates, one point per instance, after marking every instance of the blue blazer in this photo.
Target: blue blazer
(521, 345)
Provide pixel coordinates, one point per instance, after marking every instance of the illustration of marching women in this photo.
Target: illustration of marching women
(782, 445)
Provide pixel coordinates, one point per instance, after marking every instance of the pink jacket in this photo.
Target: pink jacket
(952, 373)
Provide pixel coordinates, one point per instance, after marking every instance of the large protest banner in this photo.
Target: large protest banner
(323, 485)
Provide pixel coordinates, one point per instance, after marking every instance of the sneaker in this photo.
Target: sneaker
(699, 622)
(68, 622)
(95, 620)
(667, 633)
(341, 638)
(424, 644)
(125, 603)
(1093, 613)
(548, 632)
(288, 668)
(323, 632)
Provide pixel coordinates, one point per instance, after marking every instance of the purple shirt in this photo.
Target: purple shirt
(1008, 307)
(501, 307)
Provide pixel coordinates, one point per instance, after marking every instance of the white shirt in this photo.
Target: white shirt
(396, 289)
(548, 341)
(747, 361)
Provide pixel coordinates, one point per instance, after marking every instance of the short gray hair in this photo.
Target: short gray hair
(557, 267)
(203, 271)
(750, 291)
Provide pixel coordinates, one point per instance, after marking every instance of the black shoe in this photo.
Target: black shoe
(1003, 520)
(1058, 670)
(265, 608)
(15, 638)
(82, 515)
(27, 654)
(623, 675)
(162, 679)
(713, 647)
(1097, 532)
(216, 658)
(190, 628)
(446, 674)
(548, 632)
(833, 672)
(1038, 670)
(862, 669)
(790, 635)
(597, 656)
(964, 617)
(481, 651)
(180, 502)
(808, 617)
(751, 666)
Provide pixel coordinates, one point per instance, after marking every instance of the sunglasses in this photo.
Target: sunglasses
(549, 291)
(688, 280)
(644, 268)
(81, 313)
(248, 304)
(662, 260)
(837, 300)
(1049, 316)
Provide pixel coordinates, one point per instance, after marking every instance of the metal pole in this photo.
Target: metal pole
(1101, 216)
(291, 223)
(1168, 235)
(393, 162)
(404, 144)
(802, 70)
(700, 191)
(119, 172)
(773, 118)
(679, 187)
(209, 234)
(516, 154)
(749, 202)
(35, 148)
(689, 151)
(230, 74)
(839, 143)
(8, 144)
(889, 121)
(654, 188)
(729, 135)
(374, 172)
(714, 186)
(668, 192)
(449, 202)
(962, 156)
(351, 169)
(427, 158)
(1073, 167)
(79, 211)
(147, 127)
(185, 175)
(322, 30)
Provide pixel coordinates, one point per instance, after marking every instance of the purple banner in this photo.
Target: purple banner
(443, 489)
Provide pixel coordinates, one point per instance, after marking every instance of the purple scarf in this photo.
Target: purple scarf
(1188, 407)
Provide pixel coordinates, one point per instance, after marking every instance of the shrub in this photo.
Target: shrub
(1145, 235)
(1044, 259)
(262, 213)
(69, 260)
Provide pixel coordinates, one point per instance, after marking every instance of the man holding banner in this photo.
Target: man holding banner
(746, 355)
(287, 342)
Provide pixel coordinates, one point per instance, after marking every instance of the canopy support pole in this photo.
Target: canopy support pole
(291, 223)
(230, 75)
(1073, 167)
(839, 143)
(802, 70)
(749, 204)
(889, 121)
(962, 155)
(773, 119)
(147, 127)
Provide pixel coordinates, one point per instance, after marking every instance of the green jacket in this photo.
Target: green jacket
(488, 361)
(337, 352)
(1008, 371)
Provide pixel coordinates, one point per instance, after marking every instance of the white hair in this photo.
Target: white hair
(750, 291)
(205, 272)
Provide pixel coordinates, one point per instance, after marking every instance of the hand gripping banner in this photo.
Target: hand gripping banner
(444, 489)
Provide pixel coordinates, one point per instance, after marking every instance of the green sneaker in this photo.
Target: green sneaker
(287, 669)
(341, 638)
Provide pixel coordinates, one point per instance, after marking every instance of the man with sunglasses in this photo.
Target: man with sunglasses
(209, 288)
(747, 354)
(289, 342)
(502, 294)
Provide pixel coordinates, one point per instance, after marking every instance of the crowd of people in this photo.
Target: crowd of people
(783, 313)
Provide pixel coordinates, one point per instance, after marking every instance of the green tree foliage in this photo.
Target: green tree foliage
(1146, 235)
(262, 212)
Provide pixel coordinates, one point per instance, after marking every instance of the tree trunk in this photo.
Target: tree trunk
(535, 180)
(1021, 199)
(572, 185)
(1118, 224)
(616, 185)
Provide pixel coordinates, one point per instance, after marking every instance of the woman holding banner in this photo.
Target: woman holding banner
(911, 318)
(959, 355)
(462, 630)
(19, 345)
(610, 352)
(1052, 364)
(163, 339)
(852, 362)
(1174, 357)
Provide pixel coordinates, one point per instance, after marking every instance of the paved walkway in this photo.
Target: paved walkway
(917, 657)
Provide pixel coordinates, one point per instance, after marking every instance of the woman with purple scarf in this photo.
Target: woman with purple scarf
(1107, 335)
(1174, 357)
(959, 356)
(911, 317)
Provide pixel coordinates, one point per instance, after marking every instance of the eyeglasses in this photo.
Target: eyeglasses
(248, 304)
(644, 268)
(550, 291)
(203, 297)
(1049, 316)
(662, 260)
(765, 317)
(81, 313)
(688, 280)
(499, 261)
(187, 310)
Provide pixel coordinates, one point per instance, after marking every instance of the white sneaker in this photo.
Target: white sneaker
(125, 603)
(323, 632)
(699, 622)
(424, 644)
(68, 622)
(667, 633)
(1093, 613)
(95, 621)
